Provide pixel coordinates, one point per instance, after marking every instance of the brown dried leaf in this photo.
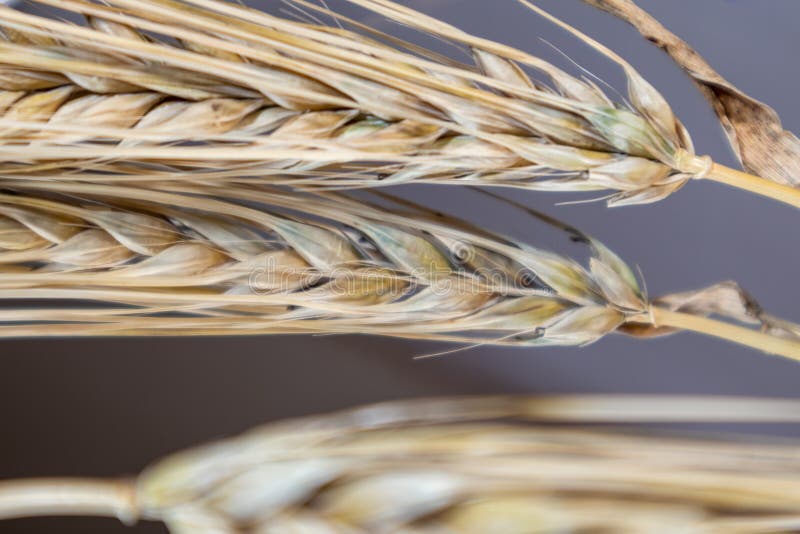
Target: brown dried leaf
(754, 129)
(726, 299)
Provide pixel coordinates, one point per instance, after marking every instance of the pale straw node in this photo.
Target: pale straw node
(462, 466)
(98, 260)
(271, 99)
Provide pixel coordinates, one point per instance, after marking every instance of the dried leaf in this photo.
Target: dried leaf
(754, 129)
(726, 299)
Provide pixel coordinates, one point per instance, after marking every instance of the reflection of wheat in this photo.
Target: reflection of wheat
(181, 261)
(268, 94)
(467, 466)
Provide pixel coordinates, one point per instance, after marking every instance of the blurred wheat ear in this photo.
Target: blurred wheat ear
(276, 100)
(461, 465)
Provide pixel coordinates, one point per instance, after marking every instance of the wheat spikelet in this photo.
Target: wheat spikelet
(468, 465)
(104, 97)
(183, 261)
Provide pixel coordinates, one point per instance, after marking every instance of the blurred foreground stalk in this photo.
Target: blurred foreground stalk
(463, 465)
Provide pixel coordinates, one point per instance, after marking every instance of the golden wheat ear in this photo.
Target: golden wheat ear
(261, 93)
(461, 466)
(201, 259)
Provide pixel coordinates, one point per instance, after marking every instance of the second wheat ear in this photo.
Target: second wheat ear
(274, 100)
(193, 259)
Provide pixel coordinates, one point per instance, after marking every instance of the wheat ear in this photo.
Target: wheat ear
(183, 261)
(461, 465)
(260, 92)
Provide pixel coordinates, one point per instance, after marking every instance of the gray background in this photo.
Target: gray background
(108, 407)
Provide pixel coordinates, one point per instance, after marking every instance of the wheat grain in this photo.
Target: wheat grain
(242, 78)
(468, 465)
(186, 260)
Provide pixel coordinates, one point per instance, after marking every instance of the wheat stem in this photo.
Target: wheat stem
(754, 184)
(736, 334)
(65, 496)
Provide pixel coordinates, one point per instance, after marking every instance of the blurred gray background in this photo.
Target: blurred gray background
(108, 407)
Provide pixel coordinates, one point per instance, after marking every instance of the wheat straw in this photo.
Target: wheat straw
(110, 97)
(468, 465)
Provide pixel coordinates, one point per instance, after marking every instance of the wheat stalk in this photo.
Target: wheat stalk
(262, 93)
(182, 261)
(463, 465)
